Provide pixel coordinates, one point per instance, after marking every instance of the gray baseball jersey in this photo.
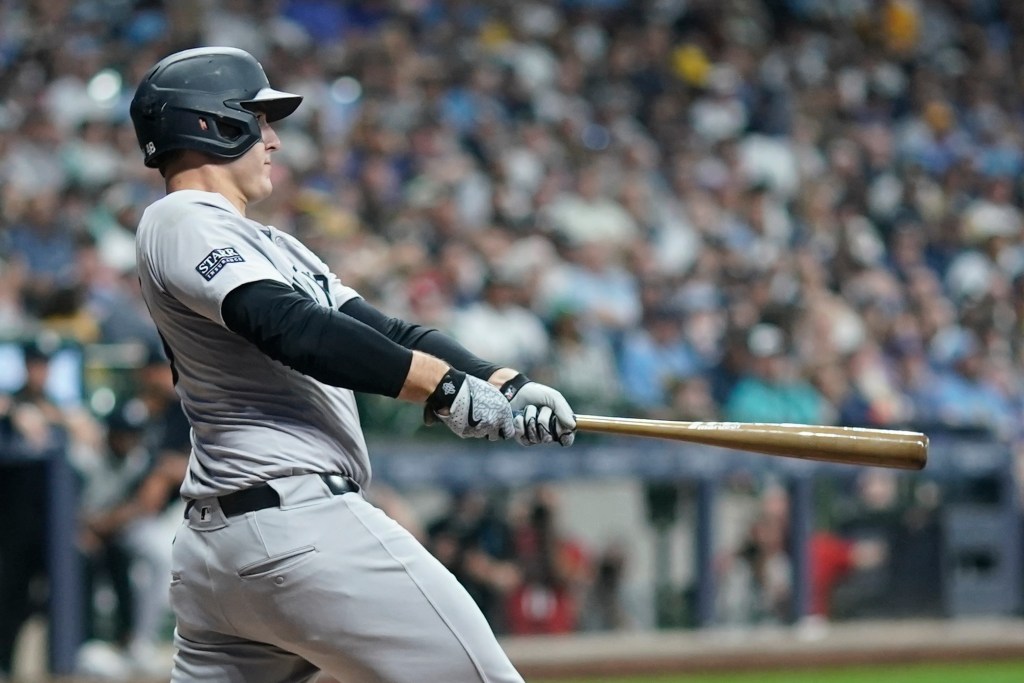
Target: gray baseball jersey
(253, 419)
(276, 594)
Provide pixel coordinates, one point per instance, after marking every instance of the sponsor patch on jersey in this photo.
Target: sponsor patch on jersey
(216, 260)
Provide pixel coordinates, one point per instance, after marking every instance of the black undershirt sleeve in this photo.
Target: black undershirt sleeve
(325, 344)
(420, 338)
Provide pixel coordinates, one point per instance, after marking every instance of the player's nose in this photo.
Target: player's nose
(270, 139)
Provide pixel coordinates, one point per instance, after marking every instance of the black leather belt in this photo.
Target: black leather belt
(264, 496)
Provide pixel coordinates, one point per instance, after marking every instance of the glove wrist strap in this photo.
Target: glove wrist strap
(510, 388)
(443, 395)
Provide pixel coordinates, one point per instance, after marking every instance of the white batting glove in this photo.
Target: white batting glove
(471, 407)
(542, 413)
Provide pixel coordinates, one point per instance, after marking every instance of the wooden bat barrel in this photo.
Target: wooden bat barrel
(847, 445)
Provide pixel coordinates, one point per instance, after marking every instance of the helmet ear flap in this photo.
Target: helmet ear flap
(236, 129)
(227, 130)
(227, 134)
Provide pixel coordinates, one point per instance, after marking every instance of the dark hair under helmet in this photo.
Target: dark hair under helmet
(205, 99)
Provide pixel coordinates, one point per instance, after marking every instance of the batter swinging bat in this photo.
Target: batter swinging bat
(847, 445)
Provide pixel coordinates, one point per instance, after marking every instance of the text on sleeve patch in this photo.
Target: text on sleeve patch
(216, 260)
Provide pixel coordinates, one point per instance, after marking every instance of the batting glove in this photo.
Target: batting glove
(470, 407)
(542, 414)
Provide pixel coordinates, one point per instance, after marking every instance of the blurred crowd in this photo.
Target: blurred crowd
(778, 210)
(753, 210)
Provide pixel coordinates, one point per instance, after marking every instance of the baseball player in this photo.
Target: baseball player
(281, 568)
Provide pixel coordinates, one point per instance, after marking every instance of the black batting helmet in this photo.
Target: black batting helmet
(205, 99)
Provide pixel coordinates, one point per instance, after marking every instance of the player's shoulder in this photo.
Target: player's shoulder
(190, 203)
(185, 208)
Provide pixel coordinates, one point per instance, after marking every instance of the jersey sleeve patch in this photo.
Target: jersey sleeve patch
(215, 261)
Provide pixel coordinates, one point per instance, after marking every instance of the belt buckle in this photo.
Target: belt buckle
(339, 483)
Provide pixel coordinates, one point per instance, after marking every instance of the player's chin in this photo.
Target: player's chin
(262, 191)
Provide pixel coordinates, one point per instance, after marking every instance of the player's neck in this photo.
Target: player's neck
(208, 178)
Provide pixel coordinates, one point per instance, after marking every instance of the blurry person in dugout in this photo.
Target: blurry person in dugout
(34, 431)
(148, 447)
(556, 571)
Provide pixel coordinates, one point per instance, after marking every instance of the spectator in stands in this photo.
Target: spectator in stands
(109, 299)
(596, 285)
(604, 608)
(475, 543)
(654, 356)
(755, 584)
(735, 359)
(501, 327)
(589, 214)
(773, 390)
(556, 572)
(45, 243)
(874, 378)
(846, 405)
(961, 394)
(835, 560)
(873, 515)
(31, 166)
(692, 399)
(582, 364)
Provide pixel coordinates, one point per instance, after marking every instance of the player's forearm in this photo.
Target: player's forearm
(501, 375)
(340, 349)
(420, 338)
(425, 372)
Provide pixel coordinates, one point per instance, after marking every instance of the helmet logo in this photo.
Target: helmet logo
(202, 124)
(150, 148)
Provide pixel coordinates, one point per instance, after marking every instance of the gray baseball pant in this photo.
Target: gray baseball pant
(323, 582)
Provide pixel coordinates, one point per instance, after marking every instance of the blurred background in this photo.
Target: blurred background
(753, 210)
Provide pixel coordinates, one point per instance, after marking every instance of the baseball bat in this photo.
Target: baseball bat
(846, 445)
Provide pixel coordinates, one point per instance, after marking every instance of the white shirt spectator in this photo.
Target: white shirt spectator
(589, 216)
(500, 329)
